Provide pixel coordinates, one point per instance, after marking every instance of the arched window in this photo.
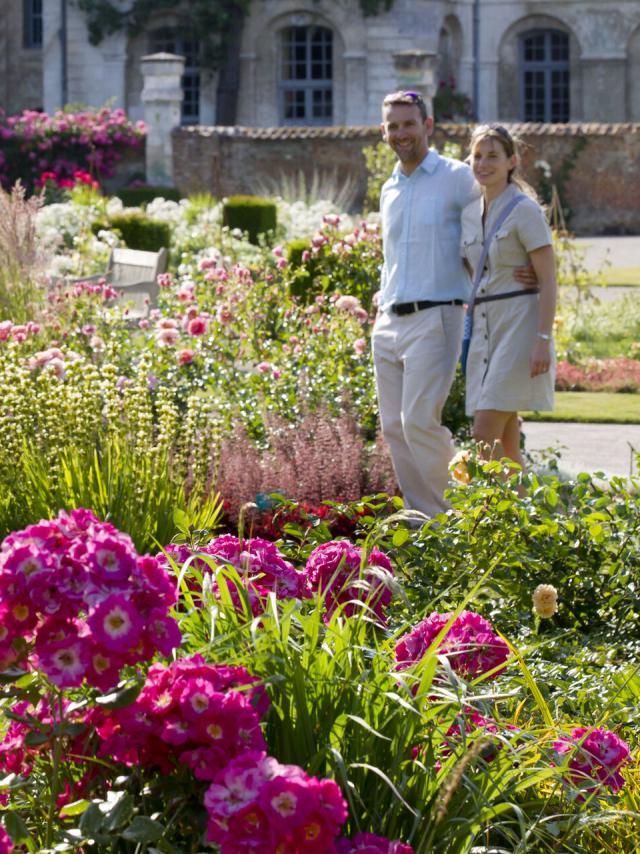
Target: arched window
(168, 40)
(306, 73)
(32, 27)
(544, 62)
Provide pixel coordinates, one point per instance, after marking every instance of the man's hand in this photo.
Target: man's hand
(526, 276)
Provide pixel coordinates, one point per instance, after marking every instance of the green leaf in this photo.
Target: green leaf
(400, 537)
(119, 814)
(143, 829)
(118, 699)
(16, 828)
(75, 808)
(91, 820)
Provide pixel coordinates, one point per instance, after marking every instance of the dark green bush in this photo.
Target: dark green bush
(251, 214)
(133, 197)
(137, 230)
(301, 283)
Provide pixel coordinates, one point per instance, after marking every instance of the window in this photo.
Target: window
(306, 89)
(168, 41)
(545, 76)
(32, 26)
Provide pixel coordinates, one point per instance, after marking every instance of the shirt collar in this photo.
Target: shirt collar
(428, 165)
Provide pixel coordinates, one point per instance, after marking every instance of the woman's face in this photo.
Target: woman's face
(491, 165)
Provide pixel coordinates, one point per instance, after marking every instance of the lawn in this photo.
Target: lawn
(603, 407)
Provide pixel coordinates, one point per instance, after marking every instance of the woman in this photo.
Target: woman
(510, 364)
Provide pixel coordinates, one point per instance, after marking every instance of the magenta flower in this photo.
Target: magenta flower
(6, 843)
(116, 623)
(470, 644)
(369, 843)
(595, 757)
(335, 569)
(257, 802)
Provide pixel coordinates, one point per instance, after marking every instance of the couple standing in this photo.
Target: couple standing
(438, 216)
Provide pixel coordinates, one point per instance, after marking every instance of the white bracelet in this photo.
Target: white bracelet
(544, 336)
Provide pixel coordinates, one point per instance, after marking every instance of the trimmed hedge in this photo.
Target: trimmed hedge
(250, 214)
(135, 197)
(138, 231)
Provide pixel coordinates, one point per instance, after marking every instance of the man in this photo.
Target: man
(416, 338)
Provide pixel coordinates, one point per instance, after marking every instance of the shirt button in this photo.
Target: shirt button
(486, 337)
(484, 314)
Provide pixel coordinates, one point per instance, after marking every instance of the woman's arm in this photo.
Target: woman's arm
(543, 263)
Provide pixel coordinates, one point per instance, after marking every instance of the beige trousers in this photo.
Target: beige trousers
(415, 358)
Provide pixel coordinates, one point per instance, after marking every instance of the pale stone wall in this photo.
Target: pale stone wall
(20, 67)
(604, 47)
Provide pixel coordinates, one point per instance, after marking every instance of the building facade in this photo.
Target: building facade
(321, 62)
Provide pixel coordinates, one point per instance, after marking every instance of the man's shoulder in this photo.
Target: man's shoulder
(450, 164)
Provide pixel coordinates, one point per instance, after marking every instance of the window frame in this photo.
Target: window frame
(171, 40)
(547, 67)
(308, 86)
(32, 24)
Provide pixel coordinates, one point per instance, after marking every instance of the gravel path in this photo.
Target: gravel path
(587, 447)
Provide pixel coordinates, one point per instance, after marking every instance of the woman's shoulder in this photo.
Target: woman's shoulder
(472, 213)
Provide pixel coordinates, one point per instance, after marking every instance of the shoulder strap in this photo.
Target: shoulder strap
(504, 213)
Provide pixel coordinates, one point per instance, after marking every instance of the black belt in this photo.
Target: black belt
(410, 307)
(507, 295)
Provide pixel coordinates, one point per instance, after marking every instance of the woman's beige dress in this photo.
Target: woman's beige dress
(504, 331)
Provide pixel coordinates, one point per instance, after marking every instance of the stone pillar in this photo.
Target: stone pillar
(162, 99)
(416, 72)
(355, 79)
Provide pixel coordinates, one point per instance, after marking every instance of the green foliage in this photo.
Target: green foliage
(380, 160)
(451, 105)
(301, 283)
(132, 197)
(137, 230)
(251, 214)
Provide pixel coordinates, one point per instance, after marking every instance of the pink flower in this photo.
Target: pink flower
(184, 357)
(6, 843)
(306, 256)
(115, 623)
(167, 337)
(255, 799)
(336, 570)
(197, 326)
(282, 263)
(359, 345)
(470, 644)
(263, 367)
(369, 843)
(595, 757)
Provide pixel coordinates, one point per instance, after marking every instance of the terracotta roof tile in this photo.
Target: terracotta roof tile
(365, 132)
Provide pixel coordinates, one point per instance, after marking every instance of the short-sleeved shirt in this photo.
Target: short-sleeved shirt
(421, 231)
(504, 331)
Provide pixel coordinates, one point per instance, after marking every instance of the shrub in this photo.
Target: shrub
(90, 140)
(251, 214)
(21, 254)
(305, 269)
(134, 197)
(137, 230)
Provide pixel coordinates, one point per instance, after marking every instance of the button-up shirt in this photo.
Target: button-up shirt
(421, 231)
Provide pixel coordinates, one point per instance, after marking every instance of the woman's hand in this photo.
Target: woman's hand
(540, 357)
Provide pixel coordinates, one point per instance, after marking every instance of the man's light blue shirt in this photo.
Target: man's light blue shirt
(421, 231)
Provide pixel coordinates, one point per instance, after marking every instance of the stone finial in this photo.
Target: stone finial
(415, 71)
(162, 99)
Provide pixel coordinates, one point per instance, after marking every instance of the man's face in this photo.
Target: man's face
(406, 133)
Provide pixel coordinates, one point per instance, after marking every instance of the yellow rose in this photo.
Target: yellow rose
(458, 467)
(545, 600)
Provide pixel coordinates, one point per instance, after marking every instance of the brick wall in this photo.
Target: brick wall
(596, 166)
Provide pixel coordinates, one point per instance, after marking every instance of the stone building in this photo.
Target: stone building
(322, 62)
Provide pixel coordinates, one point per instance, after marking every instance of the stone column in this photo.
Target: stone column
(162, 100)
(355, 80)
(416, 72)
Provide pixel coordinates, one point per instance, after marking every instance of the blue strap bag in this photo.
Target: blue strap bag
(468, 318)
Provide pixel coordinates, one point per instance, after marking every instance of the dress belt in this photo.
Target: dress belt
(419, 305)
(507, 295)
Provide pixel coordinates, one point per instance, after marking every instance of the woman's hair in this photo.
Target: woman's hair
(510, 146)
